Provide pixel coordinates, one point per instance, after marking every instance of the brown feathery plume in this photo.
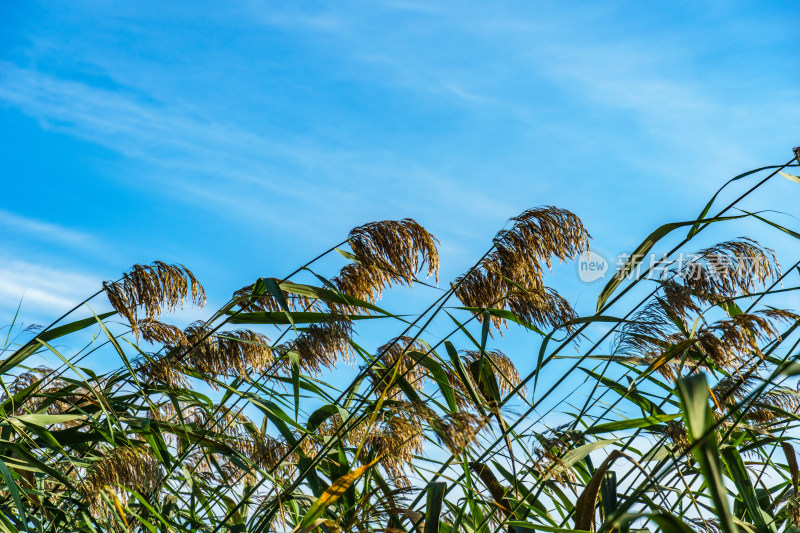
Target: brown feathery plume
(322, 345)
(153, 289)
(359, 282)
(397, 435)
(236, 430)
(506, 372)
(160, 370)
(663, 324)
(512, 274)
(482, 288)
(155, 332)
(460, 389)
(730, 391)
(539, 234)
(458, 430)
(548, 459)
(677, 433)
(765, 408)
(728, 343)
(399, 247)
(678, 302)
(729, 269)
(541, 307)
(394, 355)
(52, 396)
(379, 510)
(266, 452)
(653, 330)
(131, 468)
(227, 353)
(388, 252)
(713, 276)
(266, 302)
(796, 151)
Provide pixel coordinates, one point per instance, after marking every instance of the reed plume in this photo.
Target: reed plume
(505, 370)
(322, 345)
(458, 430)
(397, 435)
(396, 355)
(156, 332)
(153, 289)
(554, 445)
(227, 353)
(132, 468)
(511, 275)
(52, 396)
(389, 252)
(729, 269)
(713, 276)
(401, 248)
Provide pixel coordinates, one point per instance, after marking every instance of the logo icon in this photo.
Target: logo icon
(591, 266)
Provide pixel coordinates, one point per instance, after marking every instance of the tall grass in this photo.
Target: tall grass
(673, 407)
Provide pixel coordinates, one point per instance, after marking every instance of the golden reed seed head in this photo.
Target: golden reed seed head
(154, 289)
(718, 274)
(231, 427)
(397, 350)
(554, 444)
(389, 252)
(155, 332)
(356, 280)
(677, 433)
(262, 450)
(542, 233)
(397, 434)
(511, 276)
(227, 353)
(458, 430)
(766, 408)
(399, 247)
(729, 269)
(53, 395)
(507, 374)
(541, 308)
(132, 468)
(729, 343)
(322, 345)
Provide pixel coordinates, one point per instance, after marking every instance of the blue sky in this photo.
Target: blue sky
(241, 138)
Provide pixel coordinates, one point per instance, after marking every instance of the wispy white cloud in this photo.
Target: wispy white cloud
(230, 170)
(19, 226)
(44, 292)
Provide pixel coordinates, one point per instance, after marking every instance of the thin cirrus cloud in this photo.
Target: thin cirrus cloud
(225, 167)
(43, 285)
(200, 158)
(43, 292)
(41, 231)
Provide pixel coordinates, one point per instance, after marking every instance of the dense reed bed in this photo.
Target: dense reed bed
(672, 407)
